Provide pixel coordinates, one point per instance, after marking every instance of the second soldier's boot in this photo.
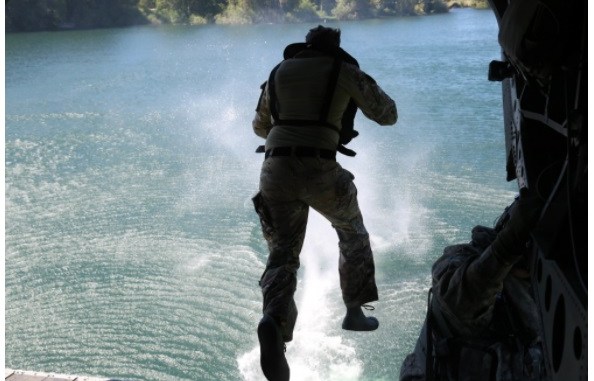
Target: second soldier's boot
(355, 320)
(272, 350)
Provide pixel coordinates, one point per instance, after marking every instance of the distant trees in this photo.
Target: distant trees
(180, 11)
(31, 15)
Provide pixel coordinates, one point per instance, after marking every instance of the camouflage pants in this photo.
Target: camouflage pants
(288, 187)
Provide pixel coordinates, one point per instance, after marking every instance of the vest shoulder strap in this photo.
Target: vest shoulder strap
(330, 89)
(272, 94)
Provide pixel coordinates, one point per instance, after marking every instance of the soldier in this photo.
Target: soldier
(482, 321)
(309, 99)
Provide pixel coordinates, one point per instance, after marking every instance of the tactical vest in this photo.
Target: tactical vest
(347, 131)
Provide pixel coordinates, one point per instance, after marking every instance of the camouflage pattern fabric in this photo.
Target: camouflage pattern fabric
(288, 187)
(483, 318)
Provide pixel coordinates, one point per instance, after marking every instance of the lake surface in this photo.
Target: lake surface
(132, 247)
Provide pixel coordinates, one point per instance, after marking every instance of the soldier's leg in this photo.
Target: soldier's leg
(356, 266)
(283, 225)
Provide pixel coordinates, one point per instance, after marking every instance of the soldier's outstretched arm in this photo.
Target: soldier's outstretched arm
(467, 284)
(369, 97)
(509, 246)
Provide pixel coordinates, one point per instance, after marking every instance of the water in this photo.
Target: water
(132, 248)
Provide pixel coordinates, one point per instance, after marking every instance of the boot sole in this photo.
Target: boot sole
(272, 353)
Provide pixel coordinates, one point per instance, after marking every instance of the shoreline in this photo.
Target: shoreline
(151, 18)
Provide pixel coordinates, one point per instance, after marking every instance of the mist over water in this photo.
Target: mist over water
(132, 247)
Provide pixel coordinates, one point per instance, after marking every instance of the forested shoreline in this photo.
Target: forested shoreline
(51, 15)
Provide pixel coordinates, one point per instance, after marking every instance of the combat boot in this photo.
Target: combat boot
(355, 320)
(272, 350)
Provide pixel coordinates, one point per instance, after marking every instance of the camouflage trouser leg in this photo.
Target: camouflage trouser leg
(356, 266)
(356, 269)
(283, 225)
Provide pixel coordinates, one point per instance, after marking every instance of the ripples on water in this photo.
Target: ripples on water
(132, 248)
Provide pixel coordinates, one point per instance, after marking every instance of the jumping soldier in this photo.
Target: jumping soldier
(305, 113)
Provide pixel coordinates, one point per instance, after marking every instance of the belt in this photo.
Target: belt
(301, 152)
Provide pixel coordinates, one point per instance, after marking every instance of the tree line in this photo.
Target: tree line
(37, 15)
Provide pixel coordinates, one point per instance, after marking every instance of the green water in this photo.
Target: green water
(132, 248)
